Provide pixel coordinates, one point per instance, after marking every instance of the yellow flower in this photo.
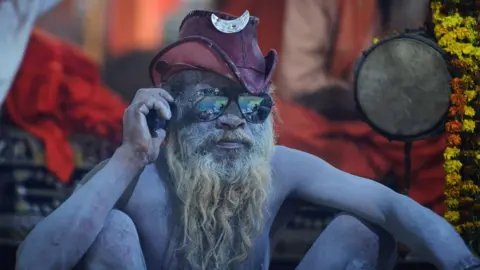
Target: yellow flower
(440, 30)
(470, 187)
(453, 179)
(436, 5)
(466, 200)
(452, 193)
(468, 125)
(451, 152)
(469, 111)
(469, 226)
(376, 40)
(476, 224)
(470, 94)
(468, 81)
(452, 21)
(452, 166)
(451, 203)
(452, 216)
(458, 35)
(455, 49)
(448, 40)
(470, 22)
(464, 33)
(468, 49)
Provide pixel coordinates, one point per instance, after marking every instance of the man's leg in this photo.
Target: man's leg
(116, 247)
(348, 243)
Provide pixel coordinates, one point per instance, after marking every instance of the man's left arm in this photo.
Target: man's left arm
(423, 231)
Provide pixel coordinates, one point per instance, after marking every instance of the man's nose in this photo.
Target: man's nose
(230, 122)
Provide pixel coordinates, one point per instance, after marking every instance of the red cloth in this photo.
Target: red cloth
(58, 92)
(353, 146)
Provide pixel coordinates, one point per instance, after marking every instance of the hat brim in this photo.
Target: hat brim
(196, 52)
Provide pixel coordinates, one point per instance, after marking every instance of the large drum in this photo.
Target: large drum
(402, 87)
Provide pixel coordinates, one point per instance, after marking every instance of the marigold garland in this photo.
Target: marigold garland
(458, 34)
(456, 26)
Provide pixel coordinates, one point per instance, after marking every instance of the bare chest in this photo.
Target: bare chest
(152, 208)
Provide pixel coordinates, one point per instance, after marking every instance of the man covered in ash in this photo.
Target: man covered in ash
(203, 190)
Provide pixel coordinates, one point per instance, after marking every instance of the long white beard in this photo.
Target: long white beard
(215, 193)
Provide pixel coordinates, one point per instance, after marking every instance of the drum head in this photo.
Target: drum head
(402, 87)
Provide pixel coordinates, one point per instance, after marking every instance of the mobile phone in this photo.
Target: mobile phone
(155, 122)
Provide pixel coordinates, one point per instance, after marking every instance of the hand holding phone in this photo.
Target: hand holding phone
(156, 122)
(145, 121)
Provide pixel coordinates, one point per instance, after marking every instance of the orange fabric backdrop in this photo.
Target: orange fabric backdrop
(137, 25)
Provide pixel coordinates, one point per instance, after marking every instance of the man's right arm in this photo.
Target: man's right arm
(63, 237)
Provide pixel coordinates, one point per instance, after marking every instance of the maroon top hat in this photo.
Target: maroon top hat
(217, 43)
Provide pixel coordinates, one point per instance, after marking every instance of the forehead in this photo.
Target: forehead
(194, 79)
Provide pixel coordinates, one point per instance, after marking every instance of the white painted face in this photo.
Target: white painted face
(17, 18)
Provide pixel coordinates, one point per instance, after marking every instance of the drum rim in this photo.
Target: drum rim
(358, 66)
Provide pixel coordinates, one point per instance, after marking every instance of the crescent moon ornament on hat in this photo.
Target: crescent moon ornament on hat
(231, 26)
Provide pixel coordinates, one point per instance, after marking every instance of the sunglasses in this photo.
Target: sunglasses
(211, 103)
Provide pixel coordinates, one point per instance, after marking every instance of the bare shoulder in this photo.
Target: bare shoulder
(290, 165)
(290, 161)
(300, 168)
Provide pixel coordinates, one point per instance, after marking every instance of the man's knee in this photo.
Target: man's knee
(119, 225)
(117, 246)
(349, 243)
(367, 241)
(360, 233)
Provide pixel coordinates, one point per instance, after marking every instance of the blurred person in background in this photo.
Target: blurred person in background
(321, 42)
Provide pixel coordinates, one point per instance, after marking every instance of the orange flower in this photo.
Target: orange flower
(454, 140)
(461, 64)
(457, 85)
(453, 126)
(452, 111)
(458, 99)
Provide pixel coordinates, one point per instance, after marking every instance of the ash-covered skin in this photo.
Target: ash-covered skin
(207, 205)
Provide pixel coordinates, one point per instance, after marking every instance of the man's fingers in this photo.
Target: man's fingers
(163, 108)
(142, 93)
(153, 99)
(160, 106)
(165, 94)
(143, 108)
(161, 134)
